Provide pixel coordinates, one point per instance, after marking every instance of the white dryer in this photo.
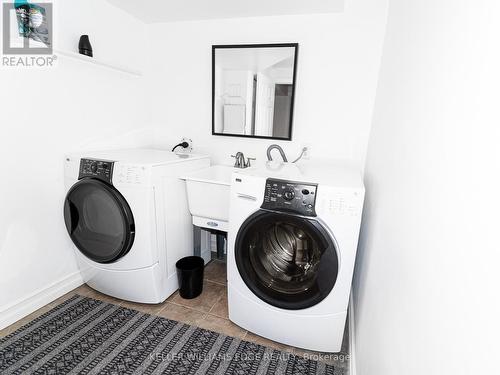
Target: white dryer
(126, 213)
(292, 245)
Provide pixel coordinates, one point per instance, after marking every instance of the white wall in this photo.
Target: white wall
(426, 291)
(338, 62)
(45, 113)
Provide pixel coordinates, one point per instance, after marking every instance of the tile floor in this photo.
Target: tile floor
(208, 311)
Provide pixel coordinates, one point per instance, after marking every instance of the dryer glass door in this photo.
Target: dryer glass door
(99, 220)
(287, 261)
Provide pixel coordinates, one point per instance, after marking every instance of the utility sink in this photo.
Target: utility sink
(208, 196)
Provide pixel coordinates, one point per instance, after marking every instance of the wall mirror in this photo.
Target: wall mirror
(253, 89)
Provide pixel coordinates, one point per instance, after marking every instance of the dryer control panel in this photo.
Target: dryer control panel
(290, 196)
(100, 169)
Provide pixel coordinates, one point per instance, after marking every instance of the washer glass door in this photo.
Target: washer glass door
(288, 261)
(99, 220)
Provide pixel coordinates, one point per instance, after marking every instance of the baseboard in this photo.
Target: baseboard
(38, 299)
(352, 339)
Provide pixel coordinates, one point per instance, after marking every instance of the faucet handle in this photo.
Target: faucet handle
(248, 164)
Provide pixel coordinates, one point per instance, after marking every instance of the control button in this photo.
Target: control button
(289, 194)
(310, 206)
(305, 192)
(93, 167)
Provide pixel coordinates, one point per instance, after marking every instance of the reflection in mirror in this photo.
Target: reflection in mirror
(253, 90)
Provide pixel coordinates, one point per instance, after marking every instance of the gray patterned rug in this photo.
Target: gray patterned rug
(86, 336)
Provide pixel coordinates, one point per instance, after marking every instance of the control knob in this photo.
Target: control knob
(93, 167)
(289, 194)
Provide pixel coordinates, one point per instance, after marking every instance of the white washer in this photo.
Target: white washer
(126, 212)
(292, 245)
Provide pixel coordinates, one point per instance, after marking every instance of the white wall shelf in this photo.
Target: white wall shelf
(93, 60)
(87, 59)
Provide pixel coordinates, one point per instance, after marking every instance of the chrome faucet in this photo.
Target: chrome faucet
(240, 160)
(277, 147)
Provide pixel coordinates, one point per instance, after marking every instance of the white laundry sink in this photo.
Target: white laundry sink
(208, 196)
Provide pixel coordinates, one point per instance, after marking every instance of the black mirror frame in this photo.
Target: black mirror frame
(296, 52)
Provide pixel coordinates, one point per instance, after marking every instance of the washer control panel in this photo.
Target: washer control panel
(290, 196)
(100, 169)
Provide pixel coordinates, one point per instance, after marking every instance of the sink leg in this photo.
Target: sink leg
(220, 245)
(196, 241)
